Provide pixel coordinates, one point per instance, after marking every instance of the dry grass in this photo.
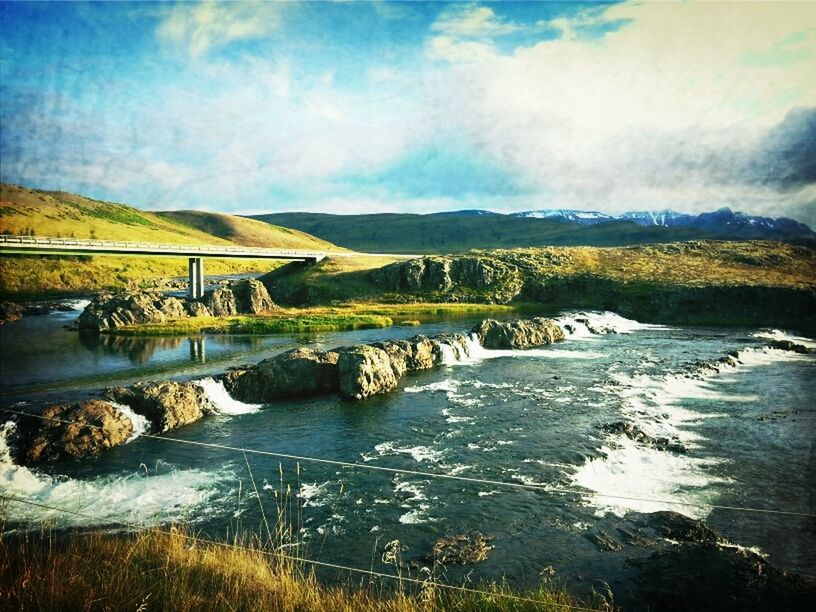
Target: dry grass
(169, 570)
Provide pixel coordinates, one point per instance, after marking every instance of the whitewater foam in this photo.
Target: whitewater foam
(223, 402)
(588, 325)
(131, 498)
(778, 334)
(140, 423)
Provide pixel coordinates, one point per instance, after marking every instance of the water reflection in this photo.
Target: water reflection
(139, 351)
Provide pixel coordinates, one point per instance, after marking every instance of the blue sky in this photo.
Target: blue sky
(382, 106)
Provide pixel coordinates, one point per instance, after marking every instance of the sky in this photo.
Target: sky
(352, 107)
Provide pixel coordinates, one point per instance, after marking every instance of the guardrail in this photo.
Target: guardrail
(152, 248)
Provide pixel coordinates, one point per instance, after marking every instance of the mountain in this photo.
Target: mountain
(458, 231)
(582, 217)
(451, 232)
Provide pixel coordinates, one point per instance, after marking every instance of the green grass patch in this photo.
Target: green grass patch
(259, 325)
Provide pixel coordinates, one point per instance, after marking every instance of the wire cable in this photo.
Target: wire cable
(424, 474)
(325, 564)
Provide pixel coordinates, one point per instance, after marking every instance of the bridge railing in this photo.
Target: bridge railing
(155, 246)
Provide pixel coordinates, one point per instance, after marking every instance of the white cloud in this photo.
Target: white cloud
(632, 118)
(197, 27)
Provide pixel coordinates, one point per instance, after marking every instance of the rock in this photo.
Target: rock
(466, 278)
(676, 526)
(109, 311)
(166, 405)
(711, 577)
(604, 541)
(449, 346)
(422, 353)
(10, 311)
(252, 297)
(400, 355)
(90, 427)
(365, 371)
(522, 333)
(462, 549)
(172, 308)
(197, 309)
(633, 432)
(299, 372)
(787, 345)
(221, 302)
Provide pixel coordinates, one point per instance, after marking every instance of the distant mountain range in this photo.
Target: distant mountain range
(474, 229)
(720, 220)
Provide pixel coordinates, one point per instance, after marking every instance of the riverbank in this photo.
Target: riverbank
(173, 570)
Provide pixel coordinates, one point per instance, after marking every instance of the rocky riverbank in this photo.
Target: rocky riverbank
(111, 311)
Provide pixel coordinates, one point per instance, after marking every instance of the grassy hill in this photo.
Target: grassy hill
(248, 232)
(60, 214)
(457, 232)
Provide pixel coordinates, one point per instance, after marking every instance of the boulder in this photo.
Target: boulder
(707, 576)
(364, 371)
(252, 297)
(519, 334)
(10, 311)
(633, 432)
(461, 549)
(681, 528)
(299, 372)
(787, 345)
(221, 302)
(108, 311)
(197, 309)
(400, 354)
(166, 405)
(83, 429)
(422, 353)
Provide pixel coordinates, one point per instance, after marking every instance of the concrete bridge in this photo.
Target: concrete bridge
(35, 245)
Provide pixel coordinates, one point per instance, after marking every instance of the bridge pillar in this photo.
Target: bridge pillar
(196, 284)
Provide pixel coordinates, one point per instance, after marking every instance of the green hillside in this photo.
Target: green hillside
(248, 232)
(457, 232)
(60, 214)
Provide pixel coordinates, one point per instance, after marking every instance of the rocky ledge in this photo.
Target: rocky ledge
(109, 311)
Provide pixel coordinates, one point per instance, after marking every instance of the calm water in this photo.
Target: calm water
(532, 417)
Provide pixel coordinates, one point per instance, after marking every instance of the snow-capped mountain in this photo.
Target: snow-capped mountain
(584, 217)
(722, 222)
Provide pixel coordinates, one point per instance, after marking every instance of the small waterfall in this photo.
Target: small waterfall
(222, 400)
(140, 423)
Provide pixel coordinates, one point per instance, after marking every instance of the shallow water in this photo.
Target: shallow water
(525, 417)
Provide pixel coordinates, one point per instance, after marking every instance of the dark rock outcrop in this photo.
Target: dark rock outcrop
(633, 432)
(166, 405)
(681, 528)
(519, 334)
(365, 371)
(221, 302)
(706, 576)
(82, 429)
(10, 311)
(461, 549)
(195, 308)
(108, 311)
(787, 345)
(299, 372)
(460, 279)
(252, 297)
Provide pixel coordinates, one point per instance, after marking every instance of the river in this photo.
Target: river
(536, 417)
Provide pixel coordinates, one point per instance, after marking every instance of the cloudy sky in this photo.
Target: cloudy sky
(380, 106)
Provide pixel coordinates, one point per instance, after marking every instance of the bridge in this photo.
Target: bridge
(35, 245)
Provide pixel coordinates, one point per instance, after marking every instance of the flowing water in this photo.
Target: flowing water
(532, 417)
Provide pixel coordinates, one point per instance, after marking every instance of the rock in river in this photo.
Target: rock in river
(83, 429)
(252, 297)
(301, 371)
(518, 334)
(365, 371)
(461, 549)
(166, 405)
(108, 311)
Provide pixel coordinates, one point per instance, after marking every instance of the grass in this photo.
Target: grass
(172, 570)
(258, 324)
(59, 214)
